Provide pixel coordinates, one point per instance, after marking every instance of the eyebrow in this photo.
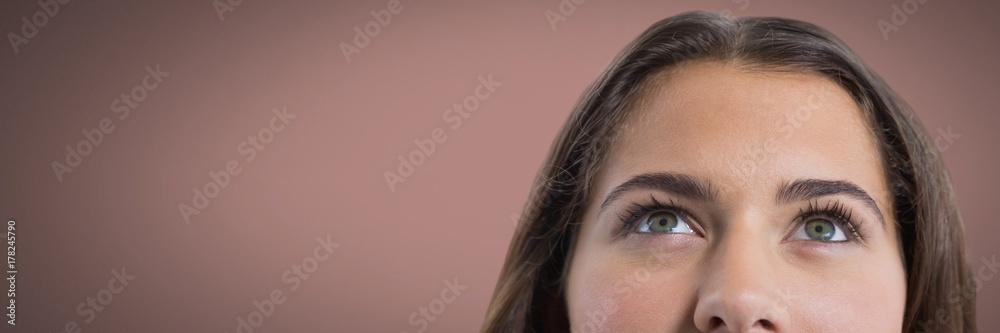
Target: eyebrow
(691, 188)
(807, 189)
(678, 184)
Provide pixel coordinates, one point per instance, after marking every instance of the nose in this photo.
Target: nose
(741, 292)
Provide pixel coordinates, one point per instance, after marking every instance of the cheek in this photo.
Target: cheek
(857, 301)
(858, 310)
(881, 302)
(630, 299)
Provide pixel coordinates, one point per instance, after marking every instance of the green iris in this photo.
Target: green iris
(820, 229)
(662, 222)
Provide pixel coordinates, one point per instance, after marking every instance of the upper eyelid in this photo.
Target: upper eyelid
(853, 228)
(649, 206)
(803, 218)
(836, 209)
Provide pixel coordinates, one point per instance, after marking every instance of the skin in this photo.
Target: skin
(744, 133)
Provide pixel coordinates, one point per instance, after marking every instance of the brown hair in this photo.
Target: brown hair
(529, 294)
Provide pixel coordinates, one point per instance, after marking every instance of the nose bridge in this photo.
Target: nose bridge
(741, 286)
(743, 252)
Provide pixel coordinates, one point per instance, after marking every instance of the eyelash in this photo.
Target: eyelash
(834, 211)
(638, 210)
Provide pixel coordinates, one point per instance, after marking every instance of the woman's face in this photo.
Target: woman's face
(739, 201)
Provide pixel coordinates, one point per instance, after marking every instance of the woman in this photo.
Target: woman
(738, 175)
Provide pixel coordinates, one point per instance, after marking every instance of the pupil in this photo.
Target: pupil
(663, 222)
(818, 229)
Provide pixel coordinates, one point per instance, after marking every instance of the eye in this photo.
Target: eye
(820, 229)
(664, 222)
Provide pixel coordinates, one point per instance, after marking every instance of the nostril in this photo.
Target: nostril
(715, 322)
(764, 324)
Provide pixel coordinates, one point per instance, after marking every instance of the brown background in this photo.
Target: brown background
(323, 175)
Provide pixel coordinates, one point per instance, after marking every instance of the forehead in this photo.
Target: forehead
(746, 130)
